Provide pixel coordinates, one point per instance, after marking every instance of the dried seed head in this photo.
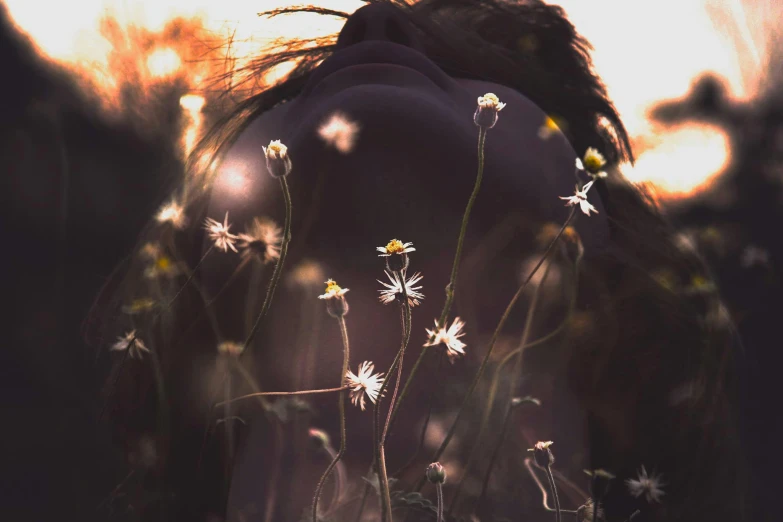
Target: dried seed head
(436, 473)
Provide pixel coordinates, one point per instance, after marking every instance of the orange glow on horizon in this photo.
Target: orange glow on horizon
(111, 44)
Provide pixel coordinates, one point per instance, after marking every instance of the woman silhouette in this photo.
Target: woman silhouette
(636, 378)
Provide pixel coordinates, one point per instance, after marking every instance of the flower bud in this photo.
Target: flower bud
(278, 163)
(588, 513)
(542, 454)
(436, 473)
(337, 307)
(486, 114)
(600, 482)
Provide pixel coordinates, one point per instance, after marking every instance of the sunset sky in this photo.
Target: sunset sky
(645, 52)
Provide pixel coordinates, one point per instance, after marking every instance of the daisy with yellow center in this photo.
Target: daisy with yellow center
(486, 115)
(395, 246)
(549, 128)
(333, 290)
(278, 163)
(593, 162)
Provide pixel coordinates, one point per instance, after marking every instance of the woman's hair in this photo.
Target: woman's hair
(649, 352)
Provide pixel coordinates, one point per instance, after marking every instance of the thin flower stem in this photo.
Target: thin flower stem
(339, 482)
(365, 494)
(383, 480)
(553, 486)
(191, 275)
(227, 415)
(423, 434)
(125, 353)
(439, 491)
(341, 407)
(251, 382)
(492, 341)
(271, 495)
(301, 392)
(542, 489)
(270, 291)
(228, 282)
(494, 456)
(450, 288)
(491, 398)
(405, 313)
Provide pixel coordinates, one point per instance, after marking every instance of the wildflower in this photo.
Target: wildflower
(436, 473)
(336, 304)
(218, 232)
(396, 254)
(339, 132)
(580, 198)
(647, 485)
(278, 163)
(593, 163)
(542, 454)
(262, 240)
(486, 114)
(550, 127)
(365, 383)
(393, 292)
(162, 266)
(230, 348)
(130, 342)
(173, 213)
(588, 513)
(138, 306)
(449, 337)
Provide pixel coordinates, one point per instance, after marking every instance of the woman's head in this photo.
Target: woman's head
(400, 161)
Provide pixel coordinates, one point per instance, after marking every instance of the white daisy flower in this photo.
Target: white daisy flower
(394, 291)
(219, 233)
(130, 342)
(364, 384)
(395, 246)
(339, 132)
(449, 337)
(580, 198)
(647, 485)
(261, 239)
(333, 290)
(172, 212)
(593, 163)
